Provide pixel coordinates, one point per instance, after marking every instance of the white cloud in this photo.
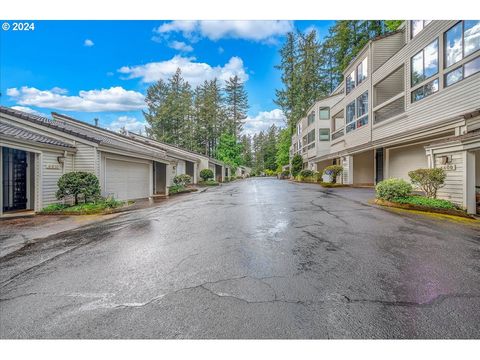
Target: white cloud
(88, 43)
(29, 110)
(129, 123)
(255, 30)
(113, 99)
(180, 46)
(263, 120)
(193, 72)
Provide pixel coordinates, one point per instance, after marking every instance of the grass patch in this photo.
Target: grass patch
(209, 183)
(425, 202)
(86, 208)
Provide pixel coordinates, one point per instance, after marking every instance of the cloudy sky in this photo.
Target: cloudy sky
(89, 69)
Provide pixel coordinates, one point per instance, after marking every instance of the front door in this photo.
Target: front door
(14, 179)
(379, 165)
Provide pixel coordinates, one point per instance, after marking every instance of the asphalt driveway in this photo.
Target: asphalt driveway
(260, 258)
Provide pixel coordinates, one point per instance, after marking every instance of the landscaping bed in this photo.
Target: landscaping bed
(100, 207)
(209, 183)
(405, 204)
(174, 190)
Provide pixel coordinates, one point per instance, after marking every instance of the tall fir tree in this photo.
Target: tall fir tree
(236, 101)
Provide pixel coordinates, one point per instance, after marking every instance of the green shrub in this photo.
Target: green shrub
(182, 179)
(86, 208)
(305, 173)
(206, 174)
(429, 180)
(78, 183)
(426, 201)
(333, 171)
(286, 173)
(391, 189)
(269, 172)
(297, 164)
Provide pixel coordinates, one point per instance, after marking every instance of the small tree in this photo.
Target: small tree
(297, 163)
(78, 183)
(429, 180)
(206, 174)
(334, 171)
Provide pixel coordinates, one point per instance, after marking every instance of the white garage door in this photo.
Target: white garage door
(127, 179)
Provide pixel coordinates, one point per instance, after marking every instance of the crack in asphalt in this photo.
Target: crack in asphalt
(322, 208)
(432, 302)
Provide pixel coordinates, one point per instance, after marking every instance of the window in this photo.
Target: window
(311, 118)
(461, 40)
(425, 90)
(425, 63)
(362, 109)
(470, 68)
(418, 25)
(311, 136)
(362, 71)
(360, 117)
(324, 113)
(324, 135)
(350, 82)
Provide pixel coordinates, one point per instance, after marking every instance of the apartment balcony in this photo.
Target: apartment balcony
(389, 96)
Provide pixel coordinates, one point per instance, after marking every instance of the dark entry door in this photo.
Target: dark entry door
(379, 165)
(14, 179)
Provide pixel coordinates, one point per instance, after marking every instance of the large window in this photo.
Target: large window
(418, 25)
(469, 68)
(324, 135)
(350, 119)
(461, 40)
(350, 82)
(324, 113)
(425, 90)
(362, 71)
(311, 136)
(425, 63)
(357, 113)
(311, 118)
(362, 109)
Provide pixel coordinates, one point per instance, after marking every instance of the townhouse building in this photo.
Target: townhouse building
(36, 151)
(411, 99)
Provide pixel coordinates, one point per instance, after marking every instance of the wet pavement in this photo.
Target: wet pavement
(259, 258)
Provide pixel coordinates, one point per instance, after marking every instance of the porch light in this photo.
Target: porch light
(61, 159)
(445, 159)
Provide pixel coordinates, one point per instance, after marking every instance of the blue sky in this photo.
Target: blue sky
(89, 69)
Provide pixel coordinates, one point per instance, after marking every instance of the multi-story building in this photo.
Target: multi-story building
(411, 99)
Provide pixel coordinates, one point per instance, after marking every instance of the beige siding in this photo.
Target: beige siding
(52, 171)
(403, 159)
(85, 158)
(385, 48)
(454, 183)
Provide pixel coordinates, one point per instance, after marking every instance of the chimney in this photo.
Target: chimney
(96, 122)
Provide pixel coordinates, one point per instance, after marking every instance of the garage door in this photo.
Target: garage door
(127, 179)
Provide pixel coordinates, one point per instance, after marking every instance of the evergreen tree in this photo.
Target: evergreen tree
(283, 148)
(229, 151)
(236, 105)
(169, 107)
(246, 142)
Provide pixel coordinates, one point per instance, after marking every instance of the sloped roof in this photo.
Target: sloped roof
(23, 134)
(47, 122)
